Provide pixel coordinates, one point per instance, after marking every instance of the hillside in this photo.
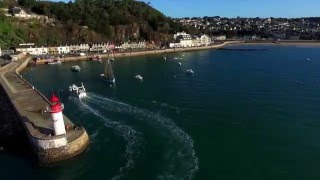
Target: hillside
(89, 21)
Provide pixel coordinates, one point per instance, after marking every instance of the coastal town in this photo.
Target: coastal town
(256, 28)
(181, 40)
(209, 30)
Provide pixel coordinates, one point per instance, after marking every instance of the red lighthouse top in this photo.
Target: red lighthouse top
(55, 104)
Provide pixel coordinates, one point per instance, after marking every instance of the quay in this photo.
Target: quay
(30, 107)
(218, 45)
(146, 52)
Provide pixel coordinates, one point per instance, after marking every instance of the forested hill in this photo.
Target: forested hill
(117, 20)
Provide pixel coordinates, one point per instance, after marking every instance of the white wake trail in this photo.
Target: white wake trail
(133, 138)
(183, 162)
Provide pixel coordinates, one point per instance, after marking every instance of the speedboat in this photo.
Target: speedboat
(139, 77)
(77, 91)
(76, 68)
(189, 71)
(179, 63)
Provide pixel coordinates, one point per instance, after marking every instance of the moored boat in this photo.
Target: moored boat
(76, 68)
(108, 75)
(139, 77)
(190, 71)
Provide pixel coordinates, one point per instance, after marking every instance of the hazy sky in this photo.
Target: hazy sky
(234, 8)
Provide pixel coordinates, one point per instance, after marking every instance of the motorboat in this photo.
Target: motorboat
(179, 63)
(189, 71)
(76, 68)
(78, 91)
(139, 77)
(108, 75)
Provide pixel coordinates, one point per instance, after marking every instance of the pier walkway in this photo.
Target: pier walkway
(30, 105)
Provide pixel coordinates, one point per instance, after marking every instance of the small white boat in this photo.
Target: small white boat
(139, 77)
(78, 91)
(175, 58)
(164, 57)
(76, 68)
(308, 59)
(179, 63)
(189, 71)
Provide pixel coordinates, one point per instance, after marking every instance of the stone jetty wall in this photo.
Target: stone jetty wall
(47, 147)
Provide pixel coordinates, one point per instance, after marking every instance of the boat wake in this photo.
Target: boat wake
(181, 157)
(133, 138)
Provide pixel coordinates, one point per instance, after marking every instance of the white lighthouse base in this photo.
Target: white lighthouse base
(58, 124)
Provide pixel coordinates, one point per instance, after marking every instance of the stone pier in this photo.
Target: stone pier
(29, 105)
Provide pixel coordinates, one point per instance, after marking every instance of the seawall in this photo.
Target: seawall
(30, 105)
(146, 52)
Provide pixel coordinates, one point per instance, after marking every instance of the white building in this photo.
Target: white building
(7, 52)
(63, 50)
(202, 40)
(175, 45)
(99, 47)
(221, 38)
(29, 48)
(175, 36)
(20, 13)
(79, 47)
(182, 40)
(133, 45)
(205, 40)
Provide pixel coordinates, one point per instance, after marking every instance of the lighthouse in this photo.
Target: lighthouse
(55, 109)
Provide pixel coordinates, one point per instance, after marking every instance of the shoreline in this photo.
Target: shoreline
(177, 50)
(143, 53)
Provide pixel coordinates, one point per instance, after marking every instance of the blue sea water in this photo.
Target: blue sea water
(243, 115)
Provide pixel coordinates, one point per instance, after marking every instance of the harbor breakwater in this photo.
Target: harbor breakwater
(28, 105)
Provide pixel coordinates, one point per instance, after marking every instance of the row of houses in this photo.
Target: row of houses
(183, 40)
(30, 48)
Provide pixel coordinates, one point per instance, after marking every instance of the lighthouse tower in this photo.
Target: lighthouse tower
(55, 109)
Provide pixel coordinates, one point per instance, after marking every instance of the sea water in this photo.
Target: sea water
(244, 114)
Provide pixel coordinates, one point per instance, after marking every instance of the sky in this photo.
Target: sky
(234, 8)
